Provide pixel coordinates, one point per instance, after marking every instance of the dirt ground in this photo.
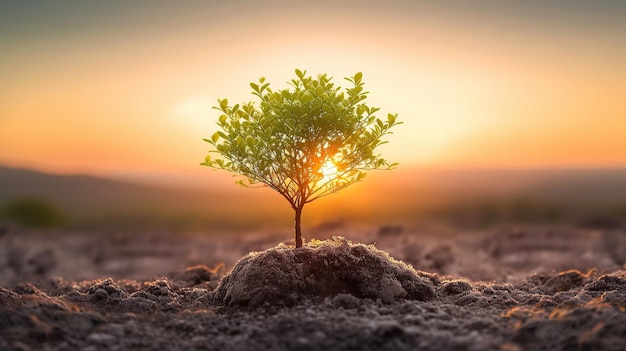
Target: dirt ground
(506, 288)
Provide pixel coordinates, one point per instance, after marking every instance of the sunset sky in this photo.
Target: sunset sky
(125, 88)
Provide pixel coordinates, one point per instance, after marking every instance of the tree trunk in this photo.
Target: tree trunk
(298, 226)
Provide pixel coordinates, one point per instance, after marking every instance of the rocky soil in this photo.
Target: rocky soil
(510, 288)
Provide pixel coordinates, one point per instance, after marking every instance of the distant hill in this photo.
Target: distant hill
(468, 197)
(76, 192)
(101, 201)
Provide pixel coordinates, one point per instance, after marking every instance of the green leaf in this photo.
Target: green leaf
(306, 98)
(299, 73)
(222, 119)
(215, 137)
(223, 103)
(357, 77)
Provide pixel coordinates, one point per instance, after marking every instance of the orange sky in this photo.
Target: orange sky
(114, 88)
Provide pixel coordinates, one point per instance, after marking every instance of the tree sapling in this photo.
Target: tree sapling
(305, 142)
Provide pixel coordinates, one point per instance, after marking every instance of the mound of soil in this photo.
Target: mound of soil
(283, 276)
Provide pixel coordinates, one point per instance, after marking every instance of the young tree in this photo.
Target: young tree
(305, 142)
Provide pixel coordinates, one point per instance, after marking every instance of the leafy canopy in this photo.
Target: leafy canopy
(304, 142)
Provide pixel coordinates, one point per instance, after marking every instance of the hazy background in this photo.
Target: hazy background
(512, 110)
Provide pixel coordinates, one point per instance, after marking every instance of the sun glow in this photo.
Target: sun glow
(329, 171)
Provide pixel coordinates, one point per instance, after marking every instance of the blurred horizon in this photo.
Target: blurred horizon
(465, 199)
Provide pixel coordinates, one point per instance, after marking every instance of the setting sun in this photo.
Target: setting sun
(329, 170)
